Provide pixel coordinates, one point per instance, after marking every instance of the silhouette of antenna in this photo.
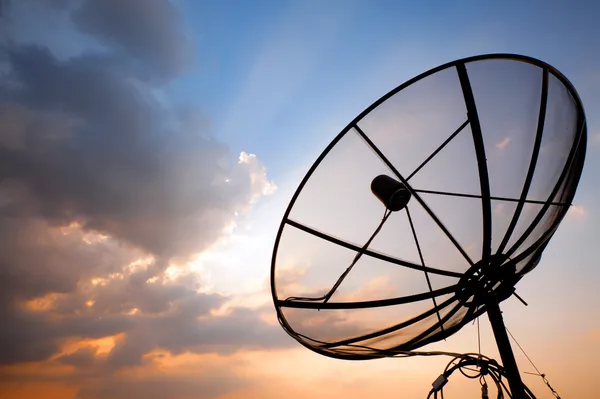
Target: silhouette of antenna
(427, 209)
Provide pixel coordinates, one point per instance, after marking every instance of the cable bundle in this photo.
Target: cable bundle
(476, 367)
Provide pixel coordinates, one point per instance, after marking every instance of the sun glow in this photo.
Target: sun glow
(140, 265)
(43, 303)
(102, 345)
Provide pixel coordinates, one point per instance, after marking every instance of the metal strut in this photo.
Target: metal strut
(517, 388)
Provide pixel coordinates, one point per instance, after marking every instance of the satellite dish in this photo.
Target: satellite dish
(429, 207)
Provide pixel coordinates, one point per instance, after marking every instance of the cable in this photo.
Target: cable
(539, 373)
(484, 367)
(522, 350)
(478, 363)
(478, 337)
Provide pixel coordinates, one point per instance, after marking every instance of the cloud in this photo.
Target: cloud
(500, 208)
(91, 145)
(258, 175)
(503, 144)
(105, 188)
(206, 384)
(162, 376)
(82, 358)
(146, 29)
(577, 211)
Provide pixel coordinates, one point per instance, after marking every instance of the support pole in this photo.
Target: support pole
(506, 354)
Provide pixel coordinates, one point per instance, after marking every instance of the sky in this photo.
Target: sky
(149, 149)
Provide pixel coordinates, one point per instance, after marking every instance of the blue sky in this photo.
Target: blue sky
(262, 64)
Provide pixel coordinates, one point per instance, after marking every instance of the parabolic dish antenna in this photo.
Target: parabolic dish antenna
(428, 208)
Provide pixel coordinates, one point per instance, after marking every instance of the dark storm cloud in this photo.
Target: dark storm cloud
(89, 140)
(170, 316)
(224, 334)
(97, 147)
(36, 260)
(148, 29)
(33, 336)
(82, 358)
